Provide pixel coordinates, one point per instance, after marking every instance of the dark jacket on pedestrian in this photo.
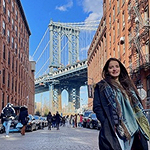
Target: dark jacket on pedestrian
(8, 113)
(23, 116)
(49, 117)
(107, 136)
(58, 117)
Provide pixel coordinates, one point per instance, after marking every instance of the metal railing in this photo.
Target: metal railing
(138, 64)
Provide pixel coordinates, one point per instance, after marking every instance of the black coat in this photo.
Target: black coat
(107, 137)
(7, 113)
(58, 117)
(23, 116)
(49, 117)
(104, 113)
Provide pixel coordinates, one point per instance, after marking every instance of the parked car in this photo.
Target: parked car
(38, 121)
(92, 121)
(14, 122)
(147, 112)
(44, 121)
(13, 125)
(31, 125)
(85, 117)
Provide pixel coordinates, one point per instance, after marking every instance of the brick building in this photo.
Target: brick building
(123, 33)
(16, 71)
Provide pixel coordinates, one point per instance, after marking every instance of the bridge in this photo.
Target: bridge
(61, 60)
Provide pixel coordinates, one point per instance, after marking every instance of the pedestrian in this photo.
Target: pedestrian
(70, 119)
(23, 118)
(53, 121)
(118, 107)
(81, 120)
(75, 120)
(49, 119)
(58, 117)
(8, 114)
(67, 121)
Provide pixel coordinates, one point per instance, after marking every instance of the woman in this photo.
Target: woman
(119, 109)
(23, 118)
(49, 119)
(58, 117)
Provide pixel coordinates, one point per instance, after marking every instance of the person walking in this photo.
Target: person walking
(58, 117)
(118, 107)
(23, 118)
(75, 120)
(49, 119)
(7, 114)
(81, 120)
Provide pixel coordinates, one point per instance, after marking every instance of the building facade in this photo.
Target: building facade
(123, 33)
(16, 71)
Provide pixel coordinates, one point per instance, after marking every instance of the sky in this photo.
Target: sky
(39, 13)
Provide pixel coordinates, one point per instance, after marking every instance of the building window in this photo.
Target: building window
(118, 28)
(4, 51)
(109, 3)
(16, 48)
(16, 15)
(16, 66)
(8, 16)
(110, 20)
(7, 98)
(123, 1)
(12, 84)
(118, 50)
(8, 57)
(147, 51)
(114, 13)
(110, 40)
(13, 9)
(12, 62)
(16, 30)
(12, 40)
(16, 86)
(8, 36)
(123, 48)
(114, 52)
(4, 7)
(118, 6)
(3, 97)
(146, 16)
(3, 76)
(113, 35)
(123, 20)
(8, 84)
(12, 24)
(4, 28)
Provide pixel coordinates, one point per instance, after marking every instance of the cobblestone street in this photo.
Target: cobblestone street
(66, 138)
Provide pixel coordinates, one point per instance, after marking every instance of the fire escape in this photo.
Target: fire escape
(139, 41)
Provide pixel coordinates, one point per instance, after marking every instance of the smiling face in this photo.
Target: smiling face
(114, 69)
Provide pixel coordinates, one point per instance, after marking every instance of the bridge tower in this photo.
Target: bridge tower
(58, 32)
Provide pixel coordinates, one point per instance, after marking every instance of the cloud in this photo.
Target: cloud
(85, 48)
(94, 8)
(65, 7)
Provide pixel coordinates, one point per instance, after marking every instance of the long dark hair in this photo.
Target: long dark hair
(124, 79)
